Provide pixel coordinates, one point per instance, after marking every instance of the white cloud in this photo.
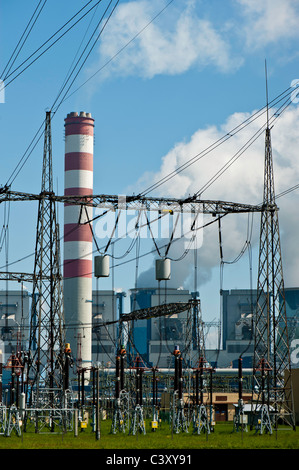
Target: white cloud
(139, 41)
(166, 46)
(269, 21)
(242, 182)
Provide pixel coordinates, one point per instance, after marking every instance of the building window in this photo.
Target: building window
(102, 349)
(156, 349)
(221, 398)
(237, 348)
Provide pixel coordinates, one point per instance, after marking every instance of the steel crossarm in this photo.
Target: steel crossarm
(137, 203)
(157, 311)
(19, 277)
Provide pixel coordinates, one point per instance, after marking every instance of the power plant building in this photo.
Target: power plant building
(292, 309)
(14, 321)
(105, 308)
(238, 309)
(156, 338)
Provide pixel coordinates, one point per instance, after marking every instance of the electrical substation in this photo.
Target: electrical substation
(54, 383)
(79, 357)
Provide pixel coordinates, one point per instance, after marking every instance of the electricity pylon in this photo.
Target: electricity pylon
(46, 342)
(273, 388)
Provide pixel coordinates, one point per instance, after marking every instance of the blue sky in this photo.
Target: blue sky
(165, 80)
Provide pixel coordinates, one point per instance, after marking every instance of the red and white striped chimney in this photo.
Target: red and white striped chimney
(79, 131)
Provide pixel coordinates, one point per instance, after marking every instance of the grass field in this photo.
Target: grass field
(223, 437)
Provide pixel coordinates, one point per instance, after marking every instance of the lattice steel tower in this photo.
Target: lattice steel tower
(272, 388)
(46, 343)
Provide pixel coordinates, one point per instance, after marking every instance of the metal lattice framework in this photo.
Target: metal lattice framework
(20, 277)
(159, 310)
(154, 312)
(138, 203)
(270, 333)
(46, 342)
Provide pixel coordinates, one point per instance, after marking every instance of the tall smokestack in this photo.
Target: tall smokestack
(78, 238)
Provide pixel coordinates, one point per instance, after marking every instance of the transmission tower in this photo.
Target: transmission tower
(46, 342)
(271, 344)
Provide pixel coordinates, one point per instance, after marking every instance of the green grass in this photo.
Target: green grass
(222, 438)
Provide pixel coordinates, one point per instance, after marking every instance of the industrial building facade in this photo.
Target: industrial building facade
(237, 333)
(14, 321)
(238, 307)
(292, 309)
(153, 339)
(105, 308)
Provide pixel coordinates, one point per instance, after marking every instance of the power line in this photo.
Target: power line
(88, 54)
(276, 115)
(185, 165)
(81, 43)
(217, 143)
(122, 48)
(16, 52)
(39, 133)
(287, 191)
(132, 259)
(283, 193)
(47, 41)
(240, 152)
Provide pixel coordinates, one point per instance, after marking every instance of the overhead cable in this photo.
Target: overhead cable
(219, 141)
(5, 78)
(39, 133)
(23, 39)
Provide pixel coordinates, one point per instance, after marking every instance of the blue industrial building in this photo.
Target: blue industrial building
(155, 339)
(237, 322)
(292, 310)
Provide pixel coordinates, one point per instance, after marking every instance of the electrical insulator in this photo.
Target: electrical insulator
(163, 269)
(101, 266)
